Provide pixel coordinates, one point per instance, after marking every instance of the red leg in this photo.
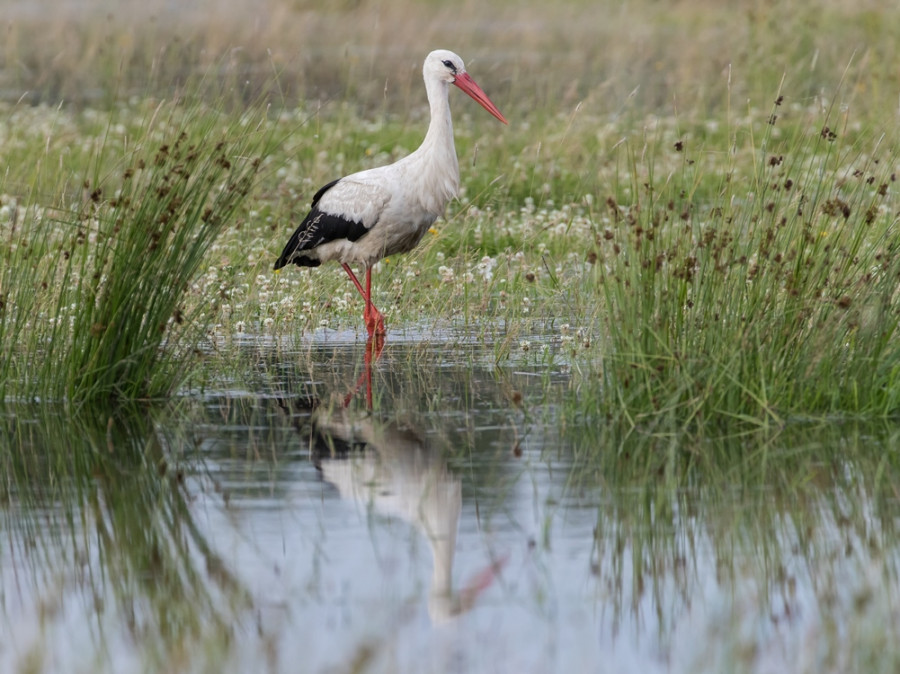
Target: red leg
(375, 343)
(354, 279)
(373, 317)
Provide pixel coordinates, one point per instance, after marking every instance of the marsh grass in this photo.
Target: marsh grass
(634, 59)
(746, 276)
(753, 300)
(94, 283)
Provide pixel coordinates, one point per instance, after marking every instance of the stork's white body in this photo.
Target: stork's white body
(384, 211)
(398, 202)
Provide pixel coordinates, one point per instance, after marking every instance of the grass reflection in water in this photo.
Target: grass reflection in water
(240, 528)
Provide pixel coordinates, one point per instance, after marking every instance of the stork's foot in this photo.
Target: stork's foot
(374, 321)
(376, 328)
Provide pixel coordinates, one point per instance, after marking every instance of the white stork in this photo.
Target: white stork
(369, 215)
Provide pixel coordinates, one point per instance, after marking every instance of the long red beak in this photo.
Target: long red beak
(467, 84)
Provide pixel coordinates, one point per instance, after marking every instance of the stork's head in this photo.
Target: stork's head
(445, 66)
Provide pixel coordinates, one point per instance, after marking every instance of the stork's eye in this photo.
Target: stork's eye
(450, 65)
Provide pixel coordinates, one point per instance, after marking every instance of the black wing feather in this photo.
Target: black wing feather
(318, 227)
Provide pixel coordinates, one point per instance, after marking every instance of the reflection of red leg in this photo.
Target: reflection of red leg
(374, 347)
(480, 582)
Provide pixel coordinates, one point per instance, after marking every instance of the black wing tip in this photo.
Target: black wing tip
(300, 261)
(283, 260)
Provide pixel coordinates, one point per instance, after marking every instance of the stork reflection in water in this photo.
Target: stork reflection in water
(390, 467)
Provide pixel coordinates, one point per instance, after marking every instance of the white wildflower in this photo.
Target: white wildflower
(447, 274)
(486, 267)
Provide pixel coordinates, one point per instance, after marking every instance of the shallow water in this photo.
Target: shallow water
(461, 521)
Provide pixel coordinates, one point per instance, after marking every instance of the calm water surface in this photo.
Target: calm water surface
(460, 519)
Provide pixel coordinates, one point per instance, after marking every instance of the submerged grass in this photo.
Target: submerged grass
(808, 506)
(780, 545)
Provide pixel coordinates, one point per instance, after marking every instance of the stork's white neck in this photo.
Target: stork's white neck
(440, 129)
(436, 157)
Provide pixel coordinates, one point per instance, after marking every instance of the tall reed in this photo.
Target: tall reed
(755, 299)
(94, 287)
